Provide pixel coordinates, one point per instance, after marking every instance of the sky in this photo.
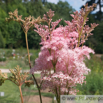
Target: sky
(76, 4)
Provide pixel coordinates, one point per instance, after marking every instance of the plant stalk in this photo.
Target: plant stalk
(21, 94)
(38, 88)
(30, 68)
(27, 49)
(81, 31)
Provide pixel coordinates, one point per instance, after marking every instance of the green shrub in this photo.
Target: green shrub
(94, 85)
(94, 64)
(2, 59)
(33, 57)
(94, 81)
(8, 53)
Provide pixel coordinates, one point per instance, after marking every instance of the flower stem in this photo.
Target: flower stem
(21, 94)
(30, 68)
(27, 49)
(81, 30)
(38, 88)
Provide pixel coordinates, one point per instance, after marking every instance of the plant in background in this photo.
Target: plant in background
(63, 52)
(2, 42)
(102, 57)
(26, 24)
(18, 78)
(2, 57)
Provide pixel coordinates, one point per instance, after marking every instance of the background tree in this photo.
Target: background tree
(62, 10)
(2, 43)
(14, 36)
(44, 1)
(99, 13)
(96, 41)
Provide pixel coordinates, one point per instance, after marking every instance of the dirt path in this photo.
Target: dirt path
(7, 71)
(35, 99)
(98, 55)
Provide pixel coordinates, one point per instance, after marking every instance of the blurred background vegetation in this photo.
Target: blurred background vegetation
(12, 36)
(13, 49)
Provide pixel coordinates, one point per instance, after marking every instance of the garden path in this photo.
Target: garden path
(7, 71)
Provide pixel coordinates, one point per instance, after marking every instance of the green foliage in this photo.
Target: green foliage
(8, 53)
(12, 94)
(98, 34)
(99, 12)
(3, 14)
(96, 40)
(2, 43)
(20, 59)
(102, 57)
(33, 57)
(11, 91)
(2, 59)
(13, 34)
(12, 63)
(62, 10)
(34, 40)
(94, 81)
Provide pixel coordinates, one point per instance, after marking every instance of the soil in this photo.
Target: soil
(35, 99)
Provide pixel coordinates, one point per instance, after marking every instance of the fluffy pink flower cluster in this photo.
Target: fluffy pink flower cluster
(61, 60)
(61, 54)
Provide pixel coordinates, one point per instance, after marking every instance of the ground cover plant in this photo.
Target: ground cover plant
(62, 51)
